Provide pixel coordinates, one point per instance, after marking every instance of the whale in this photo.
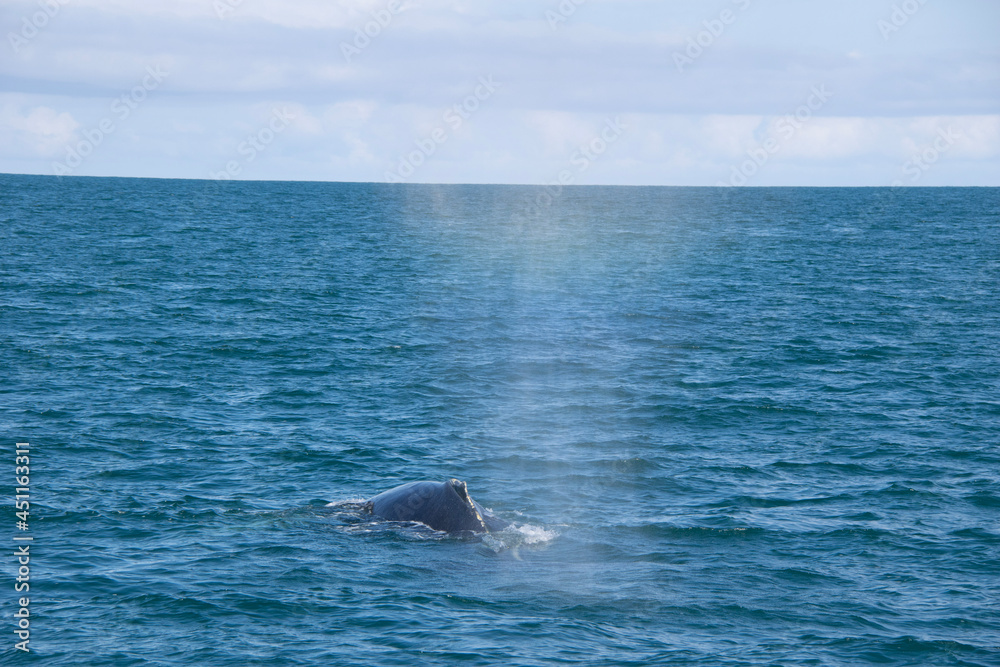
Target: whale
(444, 506)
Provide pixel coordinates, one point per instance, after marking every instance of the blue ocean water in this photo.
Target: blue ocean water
(731, 426)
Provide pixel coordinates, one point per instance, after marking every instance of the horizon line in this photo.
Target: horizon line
(514, 185)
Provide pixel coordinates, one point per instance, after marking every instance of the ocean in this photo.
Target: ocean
(730, 426)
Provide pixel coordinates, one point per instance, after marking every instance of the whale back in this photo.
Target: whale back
(443, 506)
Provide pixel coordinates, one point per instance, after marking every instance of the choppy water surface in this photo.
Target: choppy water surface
(731, 427)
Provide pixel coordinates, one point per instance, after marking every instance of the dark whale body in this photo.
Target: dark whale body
(441, 505)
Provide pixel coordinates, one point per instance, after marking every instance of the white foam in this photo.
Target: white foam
(348, 501)
(535, 534)
(515, 536)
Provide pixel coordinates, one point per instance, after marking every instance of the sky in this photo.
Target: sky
(618, 92)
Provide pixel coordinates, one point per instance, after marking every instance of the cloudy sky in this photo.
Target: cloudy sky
(665, 92)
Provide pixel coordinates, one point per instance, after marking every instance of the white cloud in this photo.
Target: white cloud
(559, 132)
(613, 57)
(38, 131)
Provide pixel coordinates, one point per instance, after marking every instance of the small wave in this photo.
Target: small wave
(535, 534)
(513, 537)
(348, 504)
